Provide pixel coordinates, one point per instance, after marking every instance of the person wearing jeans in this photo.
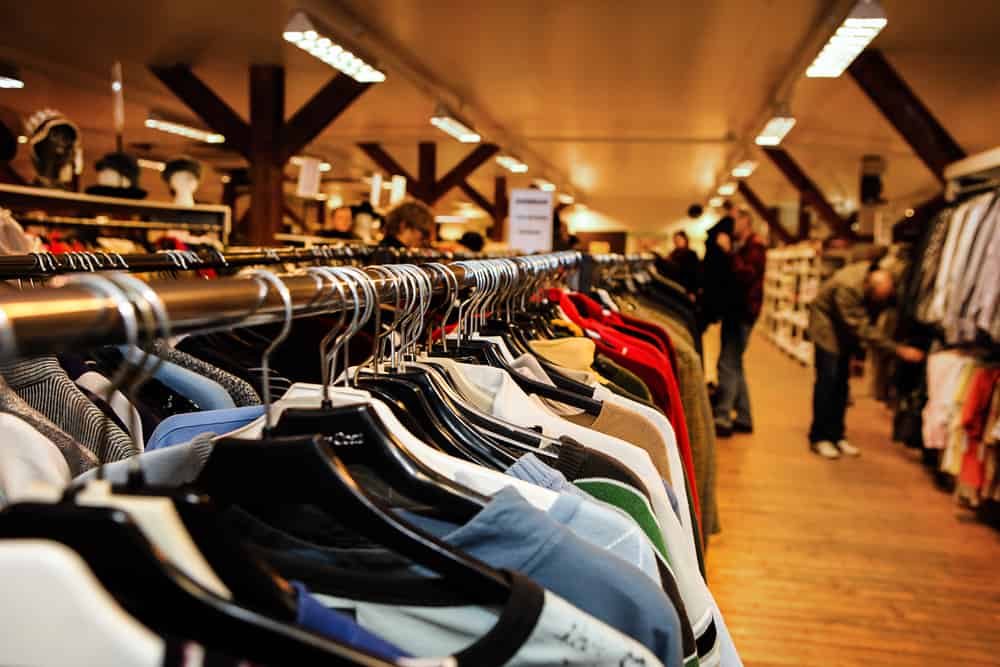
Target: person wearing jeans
(829, 396)
(840, 320)
(747, 256)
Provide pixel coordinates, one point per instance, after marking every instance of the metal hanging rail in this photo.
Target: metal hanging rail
(47, 320)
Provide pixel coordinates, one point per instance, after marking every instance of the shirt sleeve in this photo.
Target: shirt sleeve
(853, 314)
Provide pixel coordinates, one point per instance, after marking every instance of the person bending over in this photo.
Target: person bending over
(840, 320)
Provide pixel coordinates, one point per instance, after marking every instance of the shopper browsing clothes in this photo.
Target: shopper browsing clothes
(840, 320)
(409, 225)
(745, 271)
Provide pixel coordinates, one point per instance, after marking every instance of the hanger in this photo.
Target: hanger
(43, 580)
(410, 392)
(486, 352)
(302, 460)
(184, 526)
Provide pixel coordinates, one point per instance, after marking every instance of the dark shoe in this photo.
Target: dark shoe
(723, 430)
(742, 428)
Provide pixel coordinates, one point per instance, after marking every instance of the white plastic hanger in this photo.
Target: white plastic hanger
(55, 612)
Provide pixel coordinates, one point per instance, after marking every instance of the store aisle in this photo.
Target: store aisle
(849, 562)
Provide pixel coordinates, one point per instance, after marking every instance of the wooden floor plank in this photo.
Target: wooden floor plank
(848, 562)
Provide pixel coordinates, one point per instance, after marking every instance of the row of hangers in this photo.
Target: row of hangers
(392, 415)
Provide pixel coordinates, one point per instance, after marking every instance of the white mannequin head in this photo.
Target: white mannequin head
(183, 176)
(184, 184)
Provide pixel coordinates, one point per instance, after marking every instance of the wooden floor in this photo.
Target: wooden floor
(847, 562)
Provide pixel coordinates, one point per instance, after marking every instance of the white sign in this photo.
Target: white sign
(530, 228)
(309, 177)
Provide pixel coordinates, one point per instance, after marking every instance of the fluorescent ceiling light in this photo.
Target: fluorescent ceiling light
(512, 164)
(857, 31)
(21, 139)
(544, 185)
(10, 77)
(775, 130)
(566, 199)
(184, 130)
(297, 161)
(715, 202)
(452, 219)
(744, 169)
(727, 189)
(155, 165)
(450, 123)
(335, 52)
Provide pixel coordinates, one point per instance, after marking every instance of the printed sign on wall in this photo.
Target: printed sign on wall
(530, 221)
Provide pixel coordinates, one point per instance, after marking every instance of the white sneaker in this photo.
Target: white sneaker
(826, 449)
(847, 448)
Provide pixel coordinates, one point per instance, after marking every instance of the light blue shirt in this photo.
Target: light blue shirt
(205, 393)
(178, 429)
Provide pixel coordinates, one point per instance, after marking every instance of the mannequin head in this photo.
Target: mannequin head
(183, 176)
(55, 149)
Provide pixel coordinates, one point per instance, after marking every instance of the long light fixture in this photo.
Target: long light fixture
(450, 123)
(715, 202)
(334, 51)
(10, 77)
(184, 130)
(727, 189)
(775, 130)
(545, 186)
(451, 219)
(512, 164)
(744, 169)
(857, 31)
(323, 166)
(154, 165)
(566, 199)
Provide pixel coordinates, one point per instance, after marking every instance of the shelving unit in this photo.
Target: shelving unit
(791, 280)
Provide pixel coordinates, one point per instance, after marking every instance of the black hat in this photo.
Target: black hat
(123, 163)
(182, 163)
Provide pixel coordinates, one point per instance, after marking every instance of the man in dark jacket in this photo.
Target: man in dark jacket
(840, 320)
(746, 254)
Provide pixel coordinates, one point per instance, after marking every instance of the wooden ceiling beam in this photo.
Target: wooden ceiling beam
(322, 109)
(766, 213)
(464, 169)
(905, 112)
(200, 99)
(478, 199)
(808, 190)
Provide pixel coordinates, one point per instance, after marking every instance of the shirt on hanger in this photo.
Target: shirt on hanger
(312, 615)
(181, 428)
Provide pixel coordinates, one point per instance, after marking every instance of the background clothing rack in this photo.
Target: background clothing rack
(46, 320)
(40, 265)
(40, 205)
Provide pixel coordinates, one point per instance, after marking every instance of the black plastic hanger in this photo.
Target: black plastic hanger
(162, 597)
(309, 470)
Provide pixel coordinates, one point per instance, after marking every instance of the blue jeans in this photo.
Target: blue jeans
(829, 395)
(733, 392)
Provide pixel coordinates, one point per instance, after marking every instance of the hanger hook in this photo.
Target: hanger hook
(279, 286)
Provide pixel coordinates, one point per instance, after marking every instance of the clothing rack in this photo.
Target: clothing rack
(974, 174)
(46, 320)
(45, 206)
(45, 264)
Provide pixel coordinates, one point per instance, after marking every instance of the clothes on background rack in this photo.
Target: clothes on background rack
(558, 514)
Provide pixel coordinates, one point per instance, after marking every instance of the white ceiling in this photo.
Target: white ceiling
(635, 105)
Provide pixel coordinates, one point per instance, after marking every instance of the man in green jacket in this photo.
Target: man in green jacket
(840, 320)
